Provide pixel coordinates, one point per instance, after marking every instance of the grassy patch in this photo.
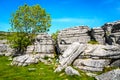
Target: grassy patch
(93, 42)
(38, 71)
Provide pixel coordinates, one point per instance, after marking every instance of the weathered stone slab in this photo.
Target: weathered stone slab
(70, 71)
(111, 75)
(93, 69)
(71, 49)
(91, 62)
(102, 51)
(69, 56)
(28, 59)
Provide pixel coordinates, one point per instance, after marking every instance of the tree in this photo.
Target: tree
(26, 22)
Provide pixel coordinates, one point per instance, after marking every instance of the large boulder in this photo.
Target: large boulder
(91, 64)
(111, 75)
(103, 51)
(70, 35)
(72, 52)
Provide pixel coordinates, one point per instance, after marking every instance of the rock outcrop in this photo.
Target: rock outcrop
(109, 33)
(96, 57)
(42, 47)
(70, 35)
(43, 44)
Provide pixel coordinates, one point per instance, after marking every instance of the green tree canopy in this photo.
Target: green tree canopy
(25, 23)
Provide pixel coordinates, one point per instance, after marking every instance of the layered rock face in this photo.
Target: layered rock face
(43, 44)
(111, 31)
(99, 33)
(70, 35)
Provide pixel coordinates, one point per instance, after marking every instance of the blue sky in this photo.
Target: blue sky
(66, 13)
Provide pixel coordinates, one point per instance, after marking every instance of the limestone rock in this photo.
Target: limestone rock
(67, 60)
(87, 68)
(111, 75)
(70, 35)
(103, 51)
(91, 63)
(28, 59)
(5, 48)
(60, 68)
(43, 44)
(70, 71)
(115, 63)
(99, 33)
(70, 55)
(71, 49)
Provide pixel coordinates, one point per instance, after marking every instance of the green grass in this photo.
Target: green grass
(41, 72)
(93, 42)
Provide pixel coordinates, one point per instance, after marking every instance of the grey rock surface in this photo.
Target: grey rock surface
(116, 63)
(70, 71)
(5, 48)
(111, 75)
(70, 35)
(28, 59)
(103, 51)
(92, 69)
(91, 62)
(69, 57)
(43, 44)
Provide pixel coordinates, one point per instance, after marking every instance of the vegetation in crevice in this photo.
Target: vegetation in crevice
(93, 42)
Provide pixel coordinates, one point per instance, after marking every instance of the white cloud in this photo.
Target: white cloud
(77, 20)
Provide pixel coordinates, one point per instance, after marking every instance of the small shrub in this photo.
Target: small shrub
(46, 57)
